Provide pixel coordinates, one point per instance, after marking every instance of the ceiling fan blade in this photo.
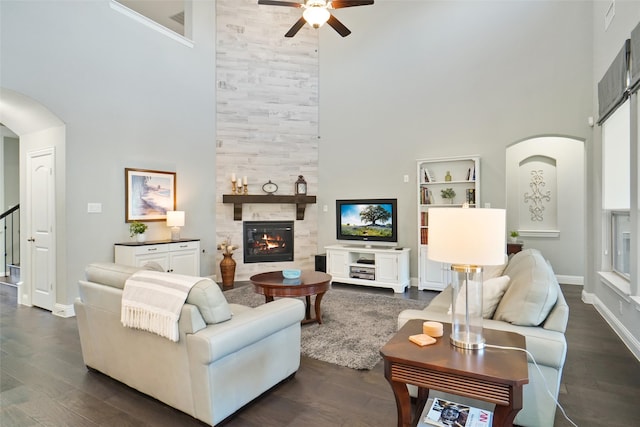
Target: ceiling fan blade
(339, 4)
(338, 26)
(279, 3)
(296, 27)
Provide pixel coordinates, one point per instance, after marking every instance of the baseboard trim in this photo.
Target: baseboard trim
(627, 338)
(62, 310)
(570, 280)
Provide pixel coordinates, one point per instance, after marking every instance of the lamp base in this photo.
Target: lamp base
(175, 233)
(472, 342)
(466, 307)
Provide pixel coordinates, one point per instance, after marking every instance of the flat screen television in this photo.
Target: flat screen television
(367, 220)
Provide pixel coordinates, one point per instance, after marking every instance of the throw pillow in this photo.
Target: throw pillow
(493, 271)
(492, 291)
(208, 297)
(532, 293)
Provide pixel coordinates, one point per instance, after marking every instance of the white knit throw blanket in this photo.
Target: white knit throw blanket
(152, 301)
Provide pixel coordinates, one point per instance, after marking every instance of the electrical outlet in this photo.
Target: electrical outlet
(94, 207)
(325, 208)
(406, 178)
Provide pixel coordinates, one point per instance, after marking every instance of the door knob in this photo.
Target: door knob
(31, 239)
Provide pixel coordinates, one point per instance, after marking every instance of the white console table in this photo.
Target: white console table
(378, 267)
(175, 256)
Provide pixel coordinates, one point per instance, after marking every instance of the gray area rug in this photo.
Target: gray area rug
(355, 325)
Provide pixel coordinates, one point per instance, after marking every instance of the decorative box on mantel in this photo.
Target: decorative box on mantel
(238, 200)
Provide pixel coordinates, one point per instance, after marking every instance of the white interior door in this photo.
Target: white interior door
(40, 227)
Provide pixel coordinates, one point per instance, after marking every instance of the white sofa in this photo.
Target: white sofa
(218, 364)
(532, 305)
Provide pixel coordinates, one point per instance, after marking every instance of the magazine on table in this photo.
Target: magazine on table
(444, 413)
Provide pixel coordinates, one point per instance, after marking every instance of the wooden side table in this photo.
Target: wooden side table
(491, 375)
(514, 248)
(273, 284)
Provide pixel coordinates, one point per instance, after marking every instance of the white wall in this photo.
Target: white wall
(439, 78)
(130, 97)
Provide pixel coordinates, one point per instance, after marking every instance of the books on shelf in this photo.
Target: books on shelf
(424, 218)
(427, 176)
(471, 173)
(424, 236)
(444, 413)
(471, 196)
(426, 197)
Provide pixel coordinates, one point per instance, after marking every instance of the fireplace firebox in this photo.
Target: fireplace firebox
(268, 241)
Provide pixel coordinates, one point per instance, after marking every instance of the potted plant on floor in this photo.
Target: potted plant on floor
(137, 229)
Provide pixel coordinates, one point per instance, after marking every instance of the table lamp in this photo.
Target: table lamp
(175, 220)
(467, 238)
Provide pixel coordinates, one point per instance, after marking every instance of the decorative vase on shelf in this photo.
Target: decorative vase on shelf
(513, 239)
(227, 270)
(141, 237)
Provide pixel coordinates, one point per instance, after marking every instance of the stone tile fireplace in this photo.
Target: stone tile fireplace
(268, 241)
(266, 127)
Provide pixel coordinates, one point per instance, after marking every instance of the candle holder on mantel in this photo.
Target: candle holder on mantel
(233, 186)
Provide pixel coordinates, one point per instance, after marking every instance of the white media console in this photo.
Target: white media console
(380, 267)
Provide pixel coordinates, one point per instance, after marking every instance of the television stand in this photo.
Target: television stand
(383, 267)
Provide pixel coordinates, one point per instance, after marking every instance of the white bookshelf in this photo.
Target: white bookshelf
(464, 175)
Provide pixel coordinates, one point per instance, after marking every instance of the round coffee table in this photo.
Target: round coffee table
(273, 284)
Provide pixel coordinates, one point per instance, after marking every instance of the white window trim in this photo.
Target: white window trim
(617, 283)
(150, 23)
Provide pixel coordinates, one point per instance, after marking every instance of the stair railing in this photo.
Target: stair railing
(11, 226)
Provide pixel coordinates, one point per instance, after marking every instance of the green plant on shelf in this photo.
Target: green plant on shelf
(447, 193)
(137, 227)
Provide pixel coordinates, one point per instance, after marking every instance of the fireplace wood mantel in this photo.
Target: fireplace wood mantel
(239, 200)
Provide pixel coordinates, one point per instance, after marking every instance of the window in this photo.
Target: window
(616, 190)
(621, 242)
(171, 17)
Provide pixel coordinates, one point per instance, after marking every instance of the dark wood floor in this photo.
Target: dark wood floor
(44, 381)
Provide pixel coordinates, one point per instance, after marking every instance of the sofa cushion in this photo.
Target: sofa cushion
(114, 275)
(532, 293)
(208, 297)
(493, 271)
(492, 291)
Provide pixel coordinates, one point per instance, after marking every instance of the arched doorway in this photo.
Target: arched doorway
(42, 135)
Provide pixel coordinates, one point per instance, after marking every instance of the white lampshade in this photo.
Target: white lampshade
(316, 16)
(175, 218)
(467, 236)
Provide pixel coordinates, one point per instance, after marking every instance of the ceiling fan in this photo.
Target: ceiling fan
(316, 13)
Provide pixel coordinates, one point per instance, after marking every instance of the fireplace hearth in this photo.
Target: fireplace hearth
(268, 241)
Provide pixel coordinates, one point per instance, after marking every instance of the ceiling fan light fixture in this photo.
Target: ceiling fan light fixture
(316, 16)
